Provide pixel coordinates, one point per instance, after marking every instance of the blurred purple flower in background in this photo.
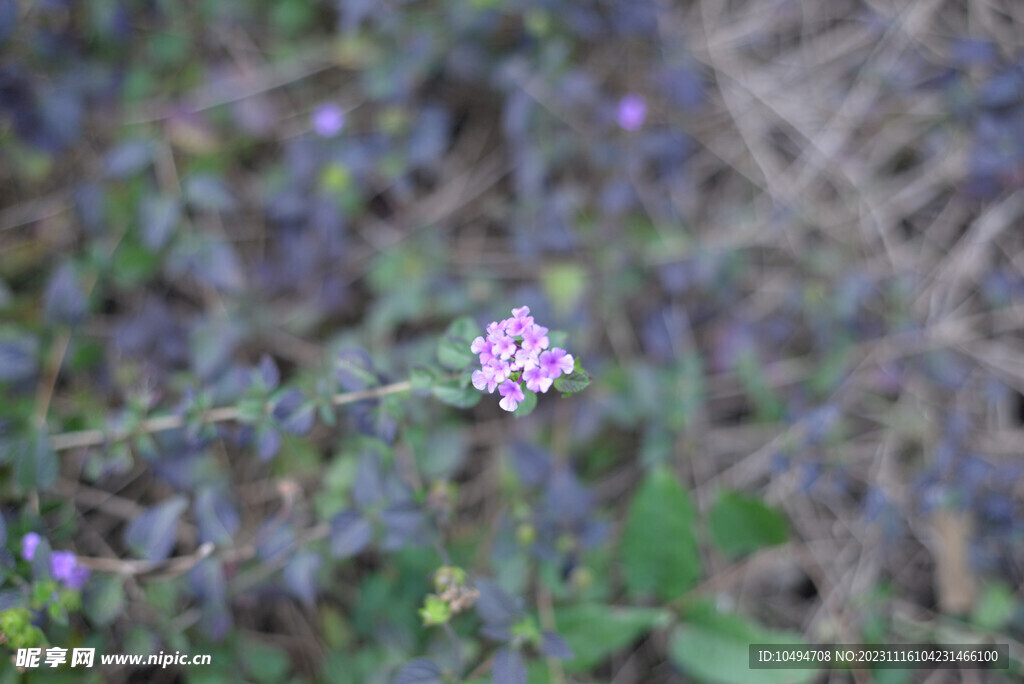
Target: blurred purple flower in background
(65, 568)
(28, 545)
(632, 112)
(328, 120)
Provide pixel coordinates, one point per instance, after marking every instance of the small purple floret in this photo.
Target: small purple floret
(328, 120)
(28, 545)
(632, 112)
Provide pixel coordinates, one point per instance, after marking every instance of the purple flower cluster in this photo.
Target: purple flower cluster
(64, 565)
(516, 351)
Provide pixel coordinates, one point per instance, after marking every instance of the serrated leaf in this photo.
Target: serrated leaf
(576, 381)
(659, 547)
(714, 647)
(741, 524)
(594, 631)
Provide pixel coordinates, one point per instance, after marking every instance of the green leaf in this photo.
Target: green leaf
(265, 662)
(574, 382)
(595, 631)
(659, 548)
(104, 599)
(564, 285)
(741, 524)
(995, 607)
(453, 350)
(714, 647)
(454, 353)
(422, 378)
(527, 405)
(457, 393)
(35, 462)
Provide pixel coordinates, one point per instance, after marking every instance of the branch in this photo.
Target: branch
(87, 438)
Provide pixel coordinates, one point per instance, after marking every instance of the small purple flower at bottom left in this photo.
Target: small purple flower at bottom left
(64, 565)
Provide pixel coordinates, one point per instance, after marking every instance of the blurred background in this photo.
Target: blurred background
(783, 237)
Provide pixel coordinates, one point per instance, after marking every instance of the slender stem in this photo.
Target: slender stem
(87, 438)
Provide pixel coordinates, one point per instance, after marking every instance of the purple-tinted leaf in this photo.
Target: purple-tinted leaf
(90, 207)
(61, 111)
(397, 490)
(555, 646)
(494, 606)
(12, 598)
(419, 671)
(211, 345)
(64, 300)
(275, 538)
(429, 138)
(216, 515)
(373, 419)
(206, 580)
(215, 620)
(3, 530)
(129, 158)
(268, 372)
(971, 51)
(207, 191)
(532, 463)
(1005, 89)
(350, 534)
(368, 487)
(153, 534)
(404, 525)
(565, 498)
(8, 18)
(18, 354)
(292, 414)
(593, 533)
(509, 667)
(684, 85)
(268, 443)
(158, 218)
(287, 404)
(499, 633)
(299, 422)
(219, 267)
(300, 576)
(354, 370)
